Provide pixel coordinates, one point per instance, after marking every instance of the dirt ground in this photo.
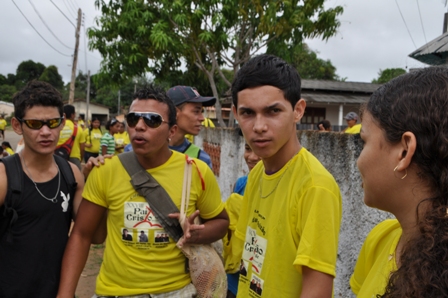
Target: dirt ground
(86, 284)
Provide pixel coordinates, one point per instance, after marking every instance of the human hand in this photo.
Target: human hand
(191, 230)
(94, 161)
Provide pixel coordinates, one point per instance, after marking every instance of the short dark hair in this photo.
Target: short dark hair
(325, 123)
(157, 93)
(269, 70)
(69, 110)
(36, 93)
(111, 122)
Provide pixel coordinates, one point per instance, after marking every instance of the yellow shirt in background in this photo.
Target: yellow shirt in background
(121, 140)
(354, 129)
(67, 133)
(92, 137)
(155, 265)
(376, 260)
(2, 124)
(288, 220)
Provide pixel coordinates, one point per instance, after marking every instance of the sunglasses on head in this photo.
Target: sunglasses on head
(151, 119)
(38, 124)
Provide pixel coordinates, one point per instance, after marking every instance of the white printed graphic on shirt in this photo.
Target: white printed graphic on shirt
(65, 199)
(138, 214)
(255, 250)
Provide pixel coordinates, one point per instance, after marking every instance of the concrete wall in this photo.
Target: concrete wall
(338, 153)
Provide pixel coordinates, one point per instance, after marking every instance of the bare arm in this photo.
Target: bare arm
(79, 188)
(212, 230)
(316, 284)
(103, 150)
(3, 184)
(77, 250)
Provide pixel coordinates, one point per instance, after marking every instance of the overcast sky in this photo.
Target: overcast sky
(372, 35)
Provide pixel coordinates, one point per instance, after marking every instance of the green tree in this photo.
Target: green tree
(135, 37)
(52, 76)
(305, 61)
(28, 71)
(388, 74)
(6, 92)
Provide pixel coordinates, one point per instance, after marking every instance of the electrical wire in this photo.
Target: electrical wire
(421, 21)
(38, 31)
(63, 13)
(69, 9)
(43, 21)
(405, 24)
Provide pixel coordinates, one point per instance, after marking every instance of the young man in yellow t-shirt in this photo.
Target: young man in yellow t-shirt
(132, 267)
(287, 234)
(353, 127)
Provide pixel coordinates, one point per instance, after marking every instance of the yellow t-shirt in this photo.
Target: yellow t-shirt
(92, 137)
(67, 133)
(296, 224)
(121, 140)
(2, 124)
(376, 260)
(354, 129)
(10, 151)
(152, 264)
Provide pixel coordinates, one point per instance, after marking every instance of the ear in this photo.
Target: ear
(172, 131)
(299, 110)
(16, 126)
(406, 150)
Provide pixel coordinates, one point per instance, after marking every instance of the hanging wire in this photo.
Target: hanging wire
(405, 24)
(38, 31)
(49, 29)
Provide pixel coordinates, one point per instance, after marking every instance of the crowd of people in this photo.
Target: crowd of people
(279, 227)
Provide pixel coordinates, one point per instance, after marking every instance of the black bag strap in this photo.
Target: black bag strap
(156, 196)
(67, 173)
(14, 174)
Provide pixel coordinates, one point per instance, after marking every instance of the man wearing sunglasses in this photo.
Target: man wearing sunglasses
(189, 105)
(31, 249)
(133, 268)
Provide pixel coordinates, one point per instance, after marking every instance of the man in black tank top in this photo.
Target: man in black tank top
(31, 250)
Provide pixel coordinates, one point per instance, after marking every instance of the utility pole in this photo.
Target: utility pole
(87, 99)
(71, 97)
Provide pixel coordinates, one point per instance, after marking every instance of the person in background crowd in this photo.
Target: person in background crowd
(288, 227)
(91, 140)
(324, 126)
(70, 129)
(233, 207)
(353, 127)
(107, 140)
(189, 105)
(7, 147)
(404, 171)
(121, 138)
(3, 124)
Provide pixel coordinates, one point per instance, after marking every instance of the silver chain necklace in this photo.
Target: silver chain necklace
(53, 200)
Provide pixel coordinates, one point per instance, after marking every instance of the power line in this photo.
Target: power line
(38, 32)
(421, 21)
(69, 9)
(63, 13)
(43, 21)
(405, 24)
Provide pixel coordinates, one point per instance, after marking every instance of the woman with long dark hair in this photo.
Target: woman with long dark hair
(404, 169)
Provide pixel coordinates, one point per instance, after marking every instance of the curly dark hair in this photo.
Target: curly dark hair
(157, 93)
(37, 93)
(418, 102)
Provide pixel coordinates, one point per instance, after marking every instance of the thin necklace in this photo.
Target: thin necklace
(278, 181)
(53, 200)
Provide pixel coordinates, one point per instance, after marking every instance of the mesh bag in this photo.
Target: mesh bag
(206, 267)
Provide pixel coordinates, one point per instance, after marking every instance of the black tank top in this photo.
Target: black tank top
(30, 266)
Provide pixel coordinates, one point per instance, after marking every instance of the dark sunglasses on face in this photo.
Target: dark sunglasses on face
(38, 124)
(151, 119)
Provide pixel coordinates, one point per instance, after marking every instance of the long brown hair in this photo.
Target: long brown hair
(418, 102)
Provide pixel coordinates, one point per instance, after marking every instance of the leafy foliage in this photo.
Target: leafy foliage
(52, 76)
(388, 74)
(137, 36)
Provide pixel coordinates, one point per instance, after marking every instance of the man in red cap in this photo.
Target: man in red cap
(189, 104)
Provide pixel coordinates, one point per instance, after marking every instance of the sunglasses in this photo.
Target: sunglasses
(152, 120)
(38, 124)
